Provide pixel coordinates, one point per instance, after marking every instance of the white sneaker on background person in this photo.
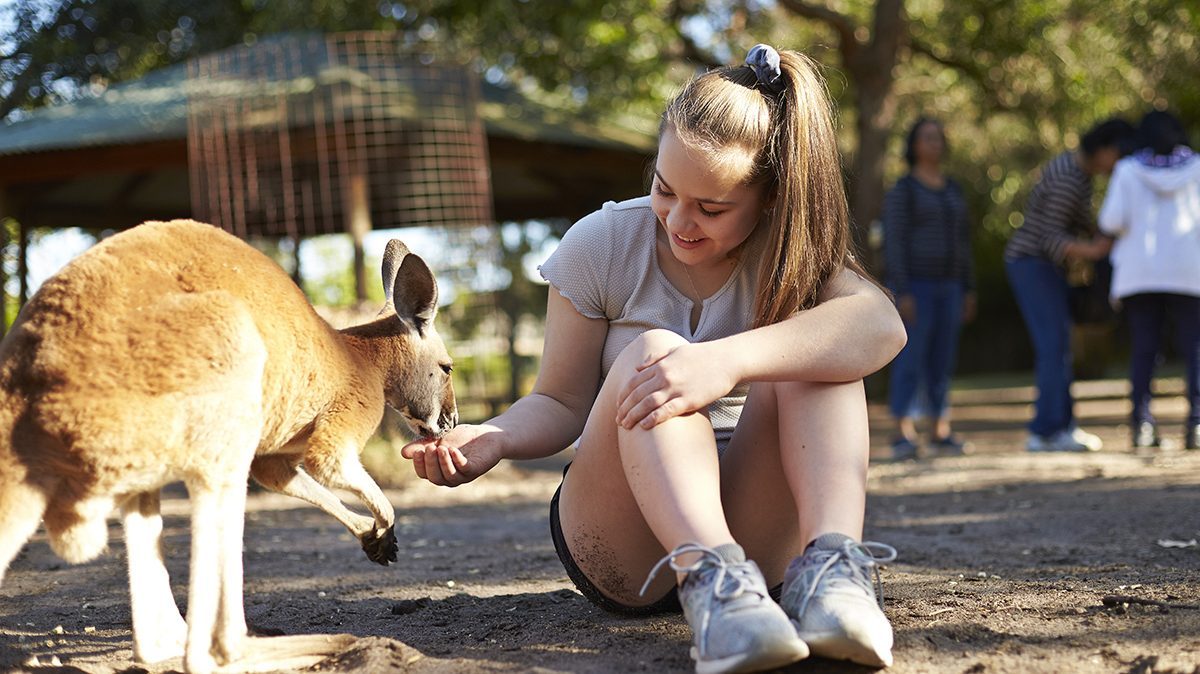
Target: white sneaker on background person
(1072, 440)
(1090, 442)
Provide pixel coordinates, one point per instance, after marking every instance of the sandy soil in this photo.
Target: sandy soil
(1009, 562)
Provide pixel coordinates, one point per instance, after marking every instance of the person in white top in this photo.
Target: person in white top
(706, 346)
(1152, 207)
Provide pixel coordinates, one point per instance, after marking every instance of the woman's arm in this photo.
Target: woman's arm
(897, 224)
(852, 332)
(1089, 249)
(542, 423)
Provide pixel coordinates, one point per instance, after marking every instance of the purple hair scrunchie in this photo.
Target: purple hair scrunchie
(764, 60)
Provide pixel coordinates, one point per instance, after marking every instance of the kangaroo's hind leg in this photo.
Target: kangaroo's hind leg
(216, 625)
(159, 632)
(218, 517)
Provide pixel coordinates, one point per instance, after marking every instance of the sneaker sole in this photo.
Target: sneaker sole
(785, 654)
(839, 647)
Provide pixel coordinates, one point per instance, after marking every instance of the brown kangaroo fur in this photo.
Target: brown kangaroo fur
(175, 351)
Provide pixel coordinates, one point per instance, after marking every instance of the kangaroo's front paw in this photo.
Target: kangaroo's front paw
(380, 548)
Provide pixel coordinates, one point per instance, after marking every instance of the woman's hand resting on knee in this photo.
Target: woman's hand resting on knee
(678, 380)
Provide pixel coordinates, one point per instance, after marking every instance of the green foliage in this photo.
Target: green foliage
(1014, 82)
(505, 298)
(566, 52)
(62, 49)
(331, 283)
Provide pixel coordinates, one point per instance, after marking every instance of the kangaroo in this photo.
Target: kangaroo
(176, 351)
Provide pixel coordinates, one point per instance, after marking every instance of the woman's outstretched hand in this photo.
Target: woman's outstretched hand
(678, 381)
(458, 457)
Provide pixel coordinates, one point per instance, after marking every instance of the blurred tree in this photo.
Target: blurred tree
(509, 296)
(523, 298)
(1014, 82)
(51, 50)
(869, 50)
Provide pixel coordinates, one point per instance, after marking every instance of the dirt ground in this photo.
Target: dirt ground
(1009, 562)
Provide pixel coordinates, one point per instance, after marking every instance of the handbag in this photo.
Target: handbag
(1088, 302)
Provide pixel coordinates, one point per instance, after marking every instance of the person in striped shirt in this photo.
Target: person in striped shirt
(1059, 226)
(927, 246)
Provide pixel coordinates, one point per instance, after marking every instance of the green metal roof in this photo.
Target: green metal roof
(154, 108)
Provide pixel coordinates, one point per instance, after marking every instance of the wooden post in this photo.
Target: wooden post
(23, 262)
(359, 224)
(297, 275)
(4, 214)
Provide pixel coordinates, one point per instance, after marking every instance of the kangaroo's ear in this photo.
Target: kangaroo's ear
(414, 292)
(393, 254)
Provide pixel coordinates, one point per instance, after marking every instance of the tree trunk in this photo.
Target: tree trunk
(873, 68)
(514, 363)
(359, 225)
(871, 64)
(876, 108)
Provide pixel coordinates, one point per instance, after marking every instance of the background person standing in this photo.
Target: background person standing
(1058, 226)
(927, 248)
(1153, 208)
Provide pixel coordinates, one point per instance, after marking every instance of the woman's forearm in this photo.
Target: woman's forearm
(537, 426)
(842, 339)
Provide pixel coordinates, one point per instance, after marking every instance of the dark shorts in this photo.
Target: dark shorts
(667, 604)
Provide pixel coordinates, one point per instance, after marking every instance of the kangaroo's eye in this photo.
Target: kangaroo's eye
(447, 368)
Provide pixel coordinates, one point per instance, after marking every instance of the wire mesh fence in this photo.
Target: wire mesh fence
(306, 135)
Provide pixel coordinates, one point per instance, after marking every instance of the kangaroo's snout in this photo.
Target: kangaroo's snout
(431, 427)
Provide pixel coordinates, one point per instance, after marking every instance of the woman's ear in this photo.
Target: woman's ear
(769, 200)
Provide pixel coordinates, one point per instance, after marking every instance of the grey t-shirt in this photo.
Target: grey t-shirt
(607, 267)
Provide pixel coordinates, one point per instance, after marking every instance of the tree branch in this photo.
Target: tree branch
(690, 51)
(843, 24)
(848, 43)
(970, 69)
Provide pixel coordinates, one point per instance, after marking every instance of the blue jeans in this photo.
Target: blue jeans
(1040, 288)
(927, 360)
(1148, 313)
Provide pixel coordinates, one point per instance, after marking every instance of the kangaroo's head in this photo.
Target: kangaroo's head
(417, 385)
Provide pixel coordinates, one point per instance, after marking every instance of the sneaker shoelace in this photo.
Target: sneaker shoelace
(857, 557)
(732, 579)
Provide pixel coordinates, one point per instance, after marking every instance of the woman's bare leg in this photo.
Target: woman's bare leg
(795, 469)
(615, 536)
(796, 472)
(631, 495)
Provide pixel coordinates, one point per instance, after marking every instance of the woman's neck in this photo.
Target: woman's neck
(930, 174)
(1085, 163)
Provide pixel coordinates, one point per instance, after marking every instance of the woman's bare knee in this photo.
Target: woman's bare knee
(646, 345)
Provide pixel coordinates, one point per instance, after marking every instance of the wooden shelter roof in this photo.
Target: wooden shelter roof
(120, 158)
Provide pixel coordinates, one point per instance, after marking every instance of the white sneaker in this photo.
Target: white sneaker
(736, 626)
(1064, 441)
(1090, 442)
(829, 595)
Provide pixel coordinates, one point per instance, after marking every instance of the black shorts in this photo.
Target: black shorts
(667, 604)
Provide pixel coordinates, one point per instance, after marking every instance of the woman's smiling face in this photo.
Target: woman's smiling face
(705, 212)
